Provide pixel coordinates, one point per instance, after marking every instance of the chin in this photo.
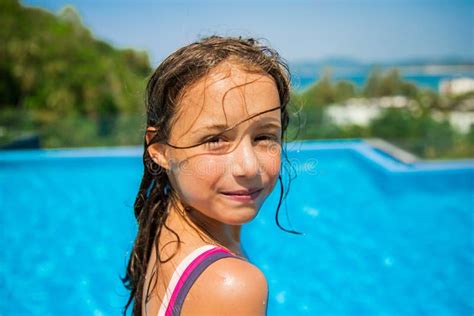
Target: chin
(242, 219)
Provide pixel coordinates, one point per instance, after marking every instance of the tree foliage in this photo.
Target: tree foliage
(413, 128)
(53, 63)
(73, 89)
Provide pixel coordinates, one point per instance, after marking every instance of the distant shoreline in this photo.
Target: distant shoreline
(431, 81)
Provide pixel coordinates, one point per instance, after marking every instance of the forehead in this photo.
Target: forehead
(227, 95)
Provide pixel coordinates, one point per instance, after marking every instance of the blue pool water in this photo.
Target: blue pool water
(380, 237)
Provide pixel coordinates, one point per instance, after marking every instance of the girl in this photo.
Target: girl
(216, 118)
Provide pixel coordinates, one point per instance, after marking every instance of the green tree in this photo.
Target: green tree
(421, 135)
(388, 83)
(344, 90)
(53, 63)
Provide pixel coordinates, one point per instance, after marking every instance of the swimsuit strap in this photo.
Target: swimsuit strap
(186, 274)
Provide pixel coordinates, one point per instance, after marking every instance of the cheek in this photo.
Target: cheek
(195, 177)
(198, 167)
(270, 164)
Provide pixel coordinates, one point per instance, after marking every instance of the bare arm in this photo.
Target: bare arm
(229, 286)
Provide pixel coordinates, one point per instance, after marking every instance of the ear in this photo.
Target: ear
(157, 151)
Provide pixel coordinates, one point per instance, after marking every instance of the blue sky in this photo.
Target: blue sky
(367, 30)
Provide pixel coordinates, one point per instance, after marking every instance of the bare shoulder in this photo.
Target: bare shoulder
(229, 286)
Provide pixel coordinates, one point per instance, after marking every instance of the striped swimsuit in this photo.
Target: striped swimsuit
(186, 274)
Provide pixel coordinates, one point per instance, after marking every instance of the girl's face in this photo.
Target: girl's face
(244, 158)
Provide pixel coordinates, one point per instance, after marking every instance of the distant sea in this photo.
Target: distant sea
(301, 82)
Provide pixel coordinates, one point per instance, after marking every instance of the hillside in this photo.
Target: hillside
(54, 64)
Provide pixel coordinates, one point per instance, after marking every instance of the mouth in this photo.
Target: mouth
(243, 195)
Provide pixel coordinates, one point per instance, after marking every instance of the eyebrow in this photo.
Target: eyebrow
(222, 127)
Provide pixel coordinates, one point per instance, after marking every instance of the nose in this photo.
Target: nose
(245, 162)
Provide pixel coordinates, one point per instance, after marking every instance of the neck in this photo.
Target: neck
(193, 222)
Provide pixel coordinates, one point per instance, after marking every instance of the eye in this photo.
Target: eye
(214, 139)
(215, 142)
(268, 137)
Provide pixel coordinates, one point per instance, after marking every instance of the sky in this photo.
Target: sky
(365, 30)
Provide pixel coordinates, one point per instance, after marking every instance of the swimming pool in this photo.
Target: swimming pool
(381, 237)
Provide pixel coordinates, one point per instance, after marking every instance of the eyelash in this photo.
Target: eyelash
(215, 139)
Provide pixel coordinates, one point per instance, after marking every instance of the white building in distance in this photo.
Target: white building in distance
(456, 86)
(361, 111)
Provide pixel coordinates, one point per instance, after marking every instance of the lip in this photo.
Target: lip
(243, 192)
(243, 195)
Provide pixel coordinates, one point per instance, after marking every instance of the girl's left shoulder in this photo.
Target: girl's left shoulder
(229, 286)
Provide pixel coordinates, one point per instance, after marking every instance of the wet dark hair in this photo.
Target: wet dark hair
(176, 73)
